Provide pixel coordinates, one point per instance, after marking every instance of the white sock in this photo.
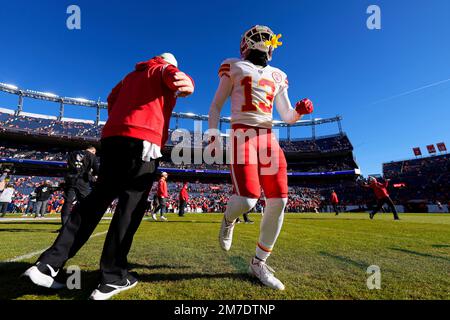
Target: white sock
(271, 224)
(238, 205)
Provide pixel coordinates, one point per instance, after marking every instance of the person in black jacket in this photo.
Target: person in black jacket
(82, 167)
(43, 193)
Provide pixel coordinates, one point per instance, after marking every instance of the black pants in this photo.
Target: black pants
(335, 208)
(40, 208)
(161, 206)
(3, 208)
(181, 208)
(71, 195)
(122, 175)
(30, 207)
(382, 202)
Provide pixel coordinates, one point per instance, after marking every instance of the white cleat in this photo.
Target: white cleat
(154, 217)
(226, 234)
(43, 280)
(264, 273)
(163, 218)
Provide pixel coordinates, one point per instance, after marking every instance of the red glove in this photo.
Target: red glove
(304, 106)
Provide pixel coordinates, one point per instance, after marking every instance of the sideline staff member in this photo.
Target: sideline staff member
(139, 110)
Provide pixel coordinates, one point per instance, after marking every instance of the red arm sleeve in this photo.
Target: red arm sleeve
(169, 77)
(113, 96)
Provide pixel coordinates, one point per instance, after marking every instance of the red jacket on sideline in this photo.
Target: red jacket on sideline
(184, 194)
(334, 198)
(140, 106)
(162, 189)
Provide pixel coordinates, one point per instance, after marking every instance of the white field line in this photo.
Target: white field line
(35, 253)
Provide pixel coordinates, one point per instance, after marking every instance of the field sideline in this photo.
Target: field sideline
(318, 256)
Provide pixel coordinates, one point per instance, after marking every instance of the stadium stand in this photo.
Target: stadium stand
(420, 182)
(37, 146)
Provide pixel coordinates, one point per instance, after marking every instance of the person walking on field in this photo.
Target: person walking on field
(6, 197)
(184, 198)
(163, 195)
(139, 111)
(335, 202)
(382, 196)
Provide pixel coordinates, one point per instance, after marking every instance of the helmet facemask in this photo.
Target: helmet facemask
(256, 39)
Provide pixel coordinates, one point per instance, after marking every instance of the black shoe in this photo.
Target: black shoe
(106, 291)
(396, 218)
(46, 276)
(371, 215)
(250, 222)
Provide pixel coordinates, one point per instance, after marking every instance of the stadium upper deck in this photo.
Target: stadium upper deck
(35, 141)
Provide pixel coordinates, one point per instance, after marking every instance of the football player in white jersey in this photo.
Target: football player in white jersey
(257, 159)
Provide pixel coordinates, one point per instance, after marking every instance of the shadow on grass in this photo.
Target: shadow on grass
(23, 223)
(420, 254)
(345, 260)
(14, 286)
(441, 245)
(189, 221)
(333, 218)
(239, 263)
(155, 267)
(157, 277)
(28, 230)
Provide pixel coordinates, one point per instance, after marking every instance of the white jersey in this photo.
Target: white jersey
(254, 91)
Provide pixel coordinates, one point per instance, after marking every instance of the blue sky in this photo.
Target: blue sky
(328, 53)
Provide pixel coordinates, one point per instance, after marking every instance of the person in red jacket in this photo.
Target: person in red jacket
(163, 195)
(334, 202)
(139, 111)
(382, 196)
(184, 197)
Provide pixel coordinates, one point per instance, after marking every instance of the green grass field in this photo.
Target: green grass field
(318, 256)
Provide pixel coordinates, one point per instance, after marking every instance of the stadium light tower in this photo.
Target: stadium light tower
(339, 125)
(20, 104)
(61, 109)
(313, 128)
(97, 119)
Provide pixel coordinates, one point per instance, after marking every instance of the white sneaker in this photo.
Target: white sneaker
(154, 217)
(44, 280)
(264, 273)
(107, 291)
(226, 234)
(163, 218)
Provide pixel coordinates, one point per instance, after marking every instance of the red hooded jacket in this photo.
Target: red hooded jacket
(184, 194)
(380, 189)
(162, 189)
(140, 106)
(334, 198)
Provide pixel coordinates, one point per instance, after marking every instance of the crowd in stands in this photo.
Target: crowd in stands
(25, 152)
(203, 197)
(426, 179)
(90, 130)
(213, 197)
(50, 127)
(336, 143)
